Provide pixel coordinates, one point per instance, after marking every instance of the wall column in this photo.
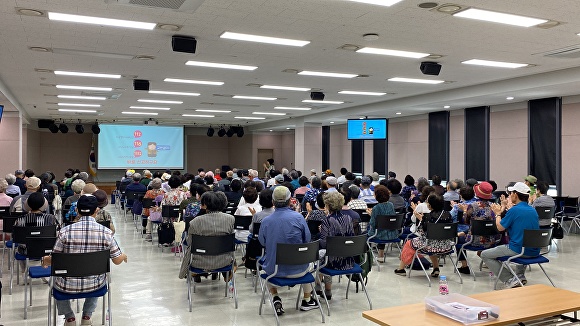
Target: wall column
(307, 146)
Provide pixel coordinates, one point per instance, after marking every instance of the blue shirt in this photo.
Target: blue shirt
(295, 184)
(517, 219)
(282, 226)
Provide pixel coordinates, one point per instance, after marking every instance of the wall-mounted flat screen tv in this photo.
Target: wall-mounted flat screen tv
(366, 129)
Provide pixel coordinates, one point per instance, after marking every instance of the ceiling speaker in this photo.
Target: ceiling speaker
(63, 128)
(44, 123)
(140, 85)
(210, 132)
(221, 132)
(317, 96)
(79, 129)
(240, 131)
(230, 132)
(53, 128)
(185, 44)
(430, 68)
(95, 129)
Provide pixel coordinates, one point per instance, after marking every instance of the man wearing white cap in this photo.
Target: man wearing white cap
(518, 218)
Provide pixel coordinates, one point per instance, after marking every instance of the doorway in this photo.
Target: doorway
(263, 155)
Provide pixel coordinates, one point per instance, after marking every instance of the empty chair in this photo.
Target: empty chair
(570, 212)
(7, 228)
(545, 214)
(532, 239)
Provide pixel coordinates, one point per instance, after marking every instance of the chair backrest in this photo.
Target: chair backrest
(212, 245)
(4, 211)
(364, 216)
(117, 184)
(106, 224)
(346, 246)
(170, 211)
(441, 231)
(390, 222)
(447, 206)
(299, 197)
(571, 202)
(21, 233)
(483, 227)
(256, 230)
(546, 213)
(313, 226)
(80, 264)
(8, 223)
(296, 253)
(134, 195)
(371, 205)
(148, 202)
(242, 222)
(537, 238)
(37, 247)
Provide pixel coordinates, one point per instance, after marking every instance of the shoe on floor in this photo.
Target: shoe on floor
(512, 283)
(523, 279)
(278, 305)
(197, 279)
(86, 320)
(435, 272)
(309, 305)
(464, 270)
(148, 238)
(70, 322)
(328, 294)
(401, 272)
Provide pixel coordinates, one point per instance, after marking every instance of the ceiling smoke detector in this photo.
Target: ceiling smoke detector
(31, 12)
(39, 49)
(428, 5)
(371, 37)
(169, 27)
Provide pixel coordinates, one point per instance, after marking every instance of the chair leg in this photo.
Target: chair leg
(455, 266)
(364, 288)
(189, 289)
(298, 298)
(26, 292)
(318, 302)
(235, 290)
(549, 279)
(103, 312)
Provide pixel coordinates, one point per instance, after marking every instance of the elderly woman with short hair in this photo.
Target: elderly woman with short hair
(335, 224)
(152, 193)
(12, 190)
(384, 207)
(5, 200)
(76, 186)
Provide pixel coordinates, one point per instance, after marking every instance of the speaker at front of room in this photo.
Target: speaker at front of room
(44, 123)
(140, 84)
(430, 68)
(181, 43)
(317, 96)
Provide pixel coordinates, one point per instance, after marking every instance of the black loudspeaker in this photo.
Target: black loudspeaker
(140, 84)
(317, 96)
(44, 123)
(430, 68)
(210, 131)
(186, 44)
(96, 129)
(53, 128)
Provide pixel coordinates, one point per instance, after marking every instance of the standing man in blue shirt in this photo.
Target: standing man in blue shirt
(285, 226)
(518, 218)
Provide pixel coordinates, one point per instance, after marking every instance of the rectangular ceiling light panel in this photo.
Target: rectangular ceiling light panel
(219, 65)
(498, 64)
(100, 21)
(498, 17)
(85, 74)
(191, 81)
(395, 53)
(326, 74)
(415, 80)
(386, 3)
(263, 39)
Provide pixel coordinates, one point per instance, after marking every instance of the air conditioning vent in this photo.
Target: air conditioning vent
(182, 5)
(570, 52)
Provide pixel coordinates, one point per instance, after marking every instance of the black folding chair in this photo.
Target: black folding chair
(36, 248)
(486, 228)
(80, 265)
(170, 211)
(545, 215)
(130, 198)
(7, 228)
(386, 223)
(147, 203)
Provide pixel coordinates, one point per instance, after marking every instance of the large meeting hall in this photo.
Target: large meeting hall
(462, 90)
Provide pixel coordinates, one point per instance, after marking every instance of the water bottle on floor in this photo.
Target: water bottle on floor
(231, 289)
(443, 287)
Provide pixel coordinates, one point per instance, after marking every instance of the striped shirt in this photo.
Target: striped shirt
(84, 236)
(337, 224)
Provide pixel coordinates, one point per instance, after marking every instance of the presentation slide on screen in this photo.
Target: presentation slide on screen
(367, 129)
(123, 146)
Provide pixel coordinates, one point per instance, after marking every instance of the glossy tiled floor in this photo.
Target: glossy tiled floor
(146, 290)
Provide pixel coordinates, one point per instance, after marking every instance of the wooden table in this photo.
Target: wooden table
(515, 305)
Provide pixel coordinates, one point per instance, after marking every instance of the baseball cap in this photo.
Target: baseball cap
(32, 183)
(483, 190)
(18, 172)
(279, 178)
(331, 181)
(281, 194)
(531, 179)
(102, 198)
(87, 204)
(313, 171)
(520, 187)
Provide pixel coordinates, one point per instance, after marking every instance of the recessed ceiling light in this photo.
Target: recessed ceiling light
(331, 122)
(86, 88)
(174, 93)
(100, 21)
(85, 74)
(250, 118)
(77, 111)
(449, 8)
(498, 17)
(398, 113)
(262, 39)
(292, 108)
(30, 12)
(39, 49)
(271, 130)
(428, 5)
(446, 107)
(395, 53)
(498, 64)
(79, 97)
(509, 98)
(361, 118)
(198, 115)
(286, 88)
(386, 3)
(362, 93)
(287, 128)
(370, 37)
(326, 74)
(139, 113)
(144, 57)
(414, 80)
(149, 108)
(214, 111)
(269, 113)
(219, 65)
(190, 81)
(159, 101)
(80, 104)
(260, 98)
(169, 27)
(322, 102)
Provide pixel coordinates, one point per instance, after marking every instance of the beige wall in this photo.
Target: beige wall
(408, 147)
(456, 146)
(508, 142)
(570, 149)
(340, 149)
(32, 159)
(9, 144)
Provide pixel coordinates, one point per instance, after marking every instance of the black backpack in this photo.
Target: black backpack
(166, 233)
